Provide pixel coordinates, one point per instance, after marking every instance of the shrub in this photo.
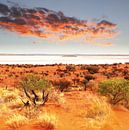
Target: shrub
(92, 69)
(16, 121)
(89, 77)
(70, 67)
(84, 82)
(62, 84)
(126, 77)
(117, 90)
(92, 85)
(31, 84)
(75, 80)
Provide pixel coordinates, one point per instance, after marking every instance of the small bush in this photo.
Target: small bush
(84, 82)
(117, 90)
(62, 85)
(92, 69)
(92, 85)
(89, 77)
(70, 68)
(16, 121)
(126, 77)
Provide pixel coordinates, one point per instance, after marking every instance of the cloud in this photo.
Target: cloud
(106, 44)
(45, 23)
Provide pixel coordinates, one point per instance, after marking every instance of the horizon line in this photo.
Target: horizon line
(63, 55)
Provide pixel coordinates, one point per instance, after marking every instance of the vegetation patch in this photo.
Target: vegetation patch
(47, 121)
(16, 121)
(117, 91)
(98, 112)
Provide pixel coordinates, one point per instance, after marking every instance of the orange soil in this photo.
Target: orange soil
(69, 115)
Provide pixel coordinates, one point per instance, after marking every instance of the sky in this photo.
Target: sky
(64, 27)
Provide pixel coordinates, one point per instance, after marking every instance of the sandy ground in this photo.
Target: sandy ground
(69, 115)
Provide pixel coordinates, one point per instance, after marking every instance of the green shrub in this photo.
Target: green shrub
(32, 85)
(117, 90)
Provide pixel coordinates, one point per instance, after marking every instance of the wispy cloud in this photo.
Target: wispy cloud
(105, 44)
(45, 23)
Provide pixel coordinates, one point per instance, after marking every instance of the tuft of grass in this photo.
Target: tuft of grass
(57, 97)
(31, 113)
(11, 98)
(98, 113)
(16, 121)
(9, 95)
(15, 104)
(4, 109)
(47, 121)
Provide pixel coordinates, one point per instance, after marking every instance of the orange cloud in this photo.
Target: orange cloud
(44, 23)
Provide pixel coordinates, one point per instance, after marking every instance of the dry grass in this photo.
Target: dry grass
(11, 98)
(98, 113)
(9, 94)
(47, 121)
(4, 109)
(16, 121)
(57, 97)
(31, 113)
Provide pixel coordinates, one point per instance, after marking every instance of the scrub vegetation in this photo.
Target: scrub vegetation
(56, 96)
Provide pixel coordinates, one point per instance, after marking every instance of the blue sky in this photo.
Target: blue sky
(111, 10)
